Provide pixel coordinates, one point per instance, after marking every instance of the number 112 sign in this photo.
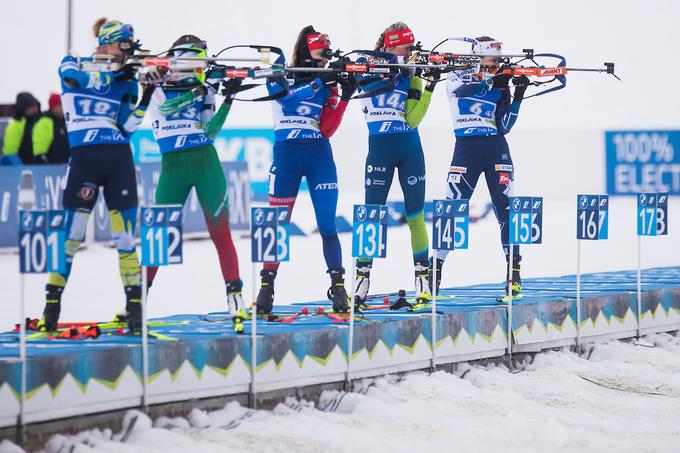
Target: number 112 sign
(161, 235)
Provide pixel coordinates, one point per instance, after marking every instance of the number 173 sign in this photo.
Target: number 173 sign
(652, 214)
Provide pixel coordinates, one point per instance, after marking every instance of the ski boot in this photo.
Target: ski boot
(133, 308)
(236, 305)
(265, 298)
(440, 265)
(516, 279)
(337, 293)
(50, 319)
(361, 286)
(422, 284)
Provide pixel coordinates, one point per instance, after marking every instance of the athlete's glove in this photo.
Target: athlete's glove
(154, 76)
(126, 72)
(348, 85)
(229, 89)
(521, 83)
(500, 80)
(328, 79)
(432, 76)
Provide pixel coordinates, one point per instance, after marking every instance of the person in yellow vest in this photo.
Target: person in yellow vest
(50, 138)
(18, 141)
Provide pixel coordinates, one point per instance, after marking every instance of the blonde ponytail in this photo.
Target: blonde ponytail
(98, 25)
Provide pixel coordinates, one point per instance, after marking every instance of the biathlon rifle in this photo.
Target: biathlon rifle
(512, 64)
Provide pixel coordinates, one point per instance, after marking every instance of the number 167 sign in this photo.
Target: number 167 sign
(526, 220)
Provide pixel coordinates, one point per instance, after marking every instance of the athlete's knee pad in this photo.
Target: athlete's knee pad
(123, 228)
(76, 225)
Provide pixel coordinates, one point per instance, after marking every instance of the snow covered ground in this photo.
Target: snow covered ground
(625, 398)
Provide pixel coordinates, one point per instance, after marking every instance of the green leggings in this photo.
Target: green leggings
(201, 169)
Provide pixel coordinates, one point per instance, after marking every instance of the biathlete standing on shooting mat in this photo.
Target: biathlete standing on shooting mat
(393, 117)
(304, 120)
(189, 159)
(102, 109)
(483, 111)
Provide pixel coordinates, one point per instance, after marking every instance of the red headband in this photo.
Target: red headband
(317, 41)
(399, 38)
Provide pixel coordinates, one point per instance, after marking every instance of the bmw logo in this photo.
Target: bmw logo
(584, 201)
(148, 217)
(643, 199)
(27, 221)
(259, 216)
(439, 207)
(516, 204)
(361, 213)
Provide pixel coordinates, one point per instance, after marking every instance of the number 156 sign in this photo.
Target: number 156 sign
(526, 220)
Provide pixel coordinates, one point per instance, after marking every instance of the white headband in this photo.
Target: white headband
(487, 48)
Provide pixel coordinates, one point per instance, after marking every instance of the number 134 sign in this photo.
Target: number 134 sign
(369, 231)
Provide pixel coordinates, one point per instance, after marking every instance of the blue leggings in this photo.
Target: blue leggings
(490, 155)
(313, 159)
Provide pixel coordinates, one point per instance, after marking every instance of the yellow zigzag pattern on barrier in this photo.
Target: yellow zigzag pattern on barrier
(558, 327)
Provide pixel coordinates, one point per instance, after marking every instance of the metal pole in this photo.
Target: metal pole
(433, 321)
(145, 343)
(510, 258)
(639, 283)
(578, 293)
(22, 352)
(253, 340)
(69, 25)
(350, 340)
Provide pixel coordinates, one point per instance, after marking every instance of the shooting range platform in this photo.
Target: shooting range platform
(195, 358)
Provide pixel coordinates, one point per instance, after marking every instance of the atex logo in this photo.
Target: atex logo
(326, 186)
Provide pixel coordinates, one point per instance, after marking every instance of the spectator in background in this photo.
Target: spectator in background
(50, 138)
(18, 140)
